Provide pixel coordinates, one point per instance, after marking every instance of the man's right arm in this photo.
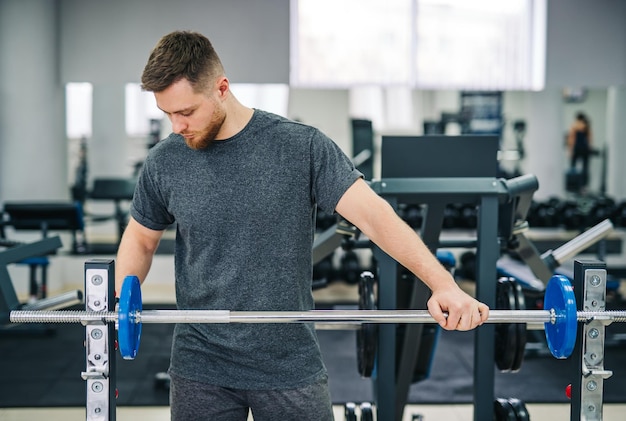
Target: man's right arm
(134, 255)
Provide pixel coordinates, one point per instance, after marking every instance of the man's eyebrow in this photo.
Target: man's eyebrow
(184, 110)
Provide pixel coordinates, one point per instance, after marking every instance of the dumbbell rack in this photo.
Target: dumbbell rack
(499, 204)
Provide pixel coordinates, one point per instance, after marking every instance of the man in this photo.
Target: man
(242, 186)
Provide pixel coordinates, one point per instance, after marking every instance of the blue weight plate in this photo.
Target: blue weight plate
(561, 335)
(128, 331)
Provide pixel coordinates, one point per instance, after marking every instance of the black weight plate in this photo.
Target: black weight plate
(350, 411)
(366, 344)
(520, 304)
(367, 413)
(503, 411)
(519, 407)
(505, 333)
(367, 334)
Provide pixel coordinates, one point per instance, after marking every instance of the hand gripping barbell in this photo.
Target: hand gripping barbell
(559, 316)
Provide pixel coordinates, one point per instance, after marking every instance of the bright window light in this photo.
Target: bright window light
(350, 42)
(78, 110)
(141, 107)
(479, 45)
(272, 97)
(425, 44)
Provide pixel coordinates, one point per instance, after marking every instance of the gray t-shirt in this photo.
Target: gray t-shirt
(244, 210)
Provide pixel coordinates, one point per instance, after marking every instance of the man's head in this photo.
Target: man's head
(181, 55)
(189, 85)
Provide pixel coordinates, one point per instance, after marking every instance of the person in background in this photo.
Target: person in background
(579, 143)
(242, 186)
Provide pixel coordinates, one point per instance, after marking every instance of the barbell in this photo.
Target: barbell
(560, 316)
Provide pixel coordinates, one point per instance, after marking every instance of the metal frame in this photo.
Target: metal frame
(8, 297)
(588, 356)
(100, 342)
(488, 194)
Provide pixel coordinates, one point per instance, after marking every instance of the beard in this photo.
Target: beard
(204, 138)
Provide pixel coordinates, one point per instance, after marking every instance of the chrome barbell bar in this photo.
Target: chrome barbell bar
(312, 316)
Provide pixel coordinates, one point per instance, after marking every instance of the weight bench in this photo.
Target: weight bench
(48, 216)
(8, 297)
(40, 216)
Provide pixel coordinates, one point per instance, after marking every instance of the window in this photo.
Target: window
(78, 110)
(425, 44)
(350, 42)
(272, 97)
(141, 108)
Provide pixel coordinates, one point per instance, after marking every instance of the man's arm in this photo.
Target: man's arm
(134, 255)
(379, 222)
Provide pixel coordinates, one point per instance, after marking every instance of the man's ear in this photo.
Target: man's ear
(223, 85)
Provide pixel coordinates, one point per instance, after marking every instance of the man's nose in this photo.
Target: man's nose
(179, 124)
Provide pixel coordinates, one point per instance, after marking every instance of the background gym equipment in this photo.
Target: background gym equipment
(511, 409)
(362, 146)
(575, 213)
(498, 204)
(49, 216)
(350, 411)
(367, 413)
(38, 270)
(117, 190)
(463, 195)
(510, 340)
(543, 265)
(20, 252)
(17, 253)
(367, 334)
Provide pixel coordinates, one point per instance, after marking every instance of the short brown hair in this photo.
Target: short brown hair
(181, 55)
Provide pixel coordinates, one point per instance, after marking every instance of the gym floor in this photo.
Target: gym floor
(537, 412)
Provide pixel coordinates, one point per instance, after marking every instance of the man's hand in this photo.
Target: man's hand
(464, 312)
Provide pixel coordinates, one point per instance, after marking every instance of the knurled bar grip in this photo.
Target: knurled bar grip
(315, 316)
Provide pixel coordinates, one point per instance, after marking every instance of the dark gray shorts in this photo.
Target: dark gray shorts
(193, 401)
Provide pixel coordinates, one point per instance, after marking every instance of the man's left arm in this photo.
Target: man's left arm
(373, 215)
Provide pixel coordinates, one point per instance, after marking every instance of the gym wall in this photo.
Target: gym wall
(45, 43)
